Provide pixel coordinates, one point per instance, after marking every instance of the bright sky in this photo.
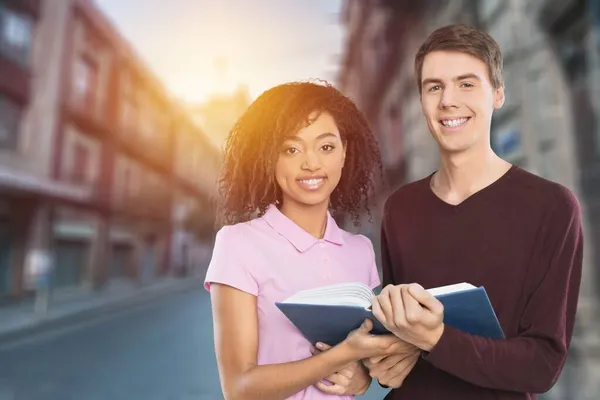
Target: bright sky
(260, 43)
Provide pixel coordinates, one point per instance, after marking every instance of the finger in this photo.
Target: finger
(366, 326)
(425, 298)
(330, 389)
(398, 315)
(394, 377)
(386, 364)
(323, 346)
(381, 345)
(386, 304)
(412, 308)
(347, 372)
(339, 379)
(370, 362)
(402, 367)
(403, 347)
(387, 341)
(397, 380)
(377, 311)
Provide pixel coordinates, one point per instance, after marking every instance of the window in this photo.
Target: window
(85, 83)
(130, 113)
(130, 179)
(15, 34)
(126, 185)
(10, 121)
(147, 121)
(81, 163)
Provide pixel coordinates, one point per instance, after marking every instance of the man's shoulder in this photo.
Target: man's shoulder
(543, 190)
(412, 192)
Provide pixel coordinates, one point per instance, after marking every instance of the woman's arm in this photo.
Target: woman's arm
(236, 342)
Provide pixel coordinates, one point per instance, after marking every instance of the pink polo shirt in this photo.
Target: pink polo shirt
(272, 258)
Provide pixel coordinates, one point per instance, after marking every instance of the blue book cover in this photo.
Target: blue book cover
(328, 314)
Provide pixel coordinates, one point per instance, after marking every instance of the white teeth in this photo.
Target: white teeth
(311, 181)
(453, 123)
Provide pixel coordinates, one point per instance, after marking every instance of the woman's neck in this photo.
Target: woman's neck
(313, 219)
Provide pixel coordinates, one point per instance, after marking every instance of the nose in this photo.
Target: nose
(448, 98)
(311, 162)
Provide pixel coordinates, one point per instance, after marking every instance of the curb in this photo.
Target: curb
(95, 311)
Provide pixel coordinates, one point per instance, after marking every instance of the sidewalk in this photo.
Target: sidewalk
(19, 321)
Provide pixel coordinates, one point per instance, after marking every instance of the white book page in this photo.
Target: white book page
(352, 293)
(458, 287)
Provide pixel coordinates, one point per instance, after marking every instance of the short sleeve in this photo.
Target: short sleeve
(227, 265)
(374, 280)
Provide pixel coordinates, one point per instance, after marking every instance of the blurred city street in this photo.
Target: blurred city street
(113, 115)
(161, 350)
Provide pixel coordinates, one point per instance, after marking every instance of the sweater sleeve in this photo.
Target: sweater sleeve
(532, 361)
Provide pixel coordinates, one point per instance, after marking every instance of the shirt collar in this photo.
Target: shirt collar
(297, 236)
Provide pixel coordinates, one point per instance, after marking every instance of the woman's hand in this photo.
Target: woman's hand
(362, 344)
(353, 379)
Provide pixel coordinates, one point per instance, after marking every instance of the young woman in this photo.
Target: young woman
(300, 151)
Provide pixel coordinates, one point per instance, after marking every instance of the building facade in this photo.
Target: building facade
(548, 125)
(90, 152)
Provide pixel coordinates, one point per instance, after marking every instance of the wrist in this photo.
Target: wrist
(366, 378)
(433, 338)
(346, 353)
(363, 388)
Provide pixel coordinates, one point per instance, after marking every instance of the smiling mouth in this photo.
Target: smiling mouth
(455, 122)
(311, 183)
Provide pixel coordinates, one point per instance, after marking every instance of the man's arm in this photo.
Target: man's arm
(531, 362)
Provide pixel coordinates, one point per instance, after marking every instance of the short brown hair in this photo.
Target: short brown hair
(472, 41)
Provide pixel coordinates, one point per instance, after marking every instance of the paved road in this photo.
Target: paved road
(159, 351)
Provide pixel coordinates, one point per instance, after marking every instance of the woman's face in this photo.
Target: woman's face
(310, 162)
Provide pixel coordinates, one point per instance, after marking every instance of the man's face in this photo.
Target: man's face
(458, 100)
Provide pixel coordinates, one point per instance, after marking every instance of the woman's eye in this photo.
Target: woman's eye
(327, 148)
(291, 151)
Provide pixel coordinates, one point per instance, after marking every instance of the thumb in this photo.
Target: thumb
(366, 326)
(322, 346)
(425, 298)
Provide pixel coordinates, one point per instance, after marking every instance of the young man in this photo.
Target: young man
(481, 220)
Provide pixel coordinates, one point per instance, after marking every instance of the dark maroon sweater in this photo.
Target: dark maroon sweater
(520, 238)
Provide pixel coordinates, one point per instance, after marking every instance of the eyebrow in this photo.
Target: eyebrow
(458, 78)
(321, 136)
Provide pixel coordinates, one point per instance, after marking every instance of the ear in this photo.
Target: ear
(499, 97)
(344, 147)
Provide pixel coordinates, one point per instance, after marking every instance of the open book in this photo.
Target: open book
(328, 313)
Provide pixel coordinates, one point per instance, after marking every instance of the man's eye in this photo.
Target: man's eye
(467, 84)
(434, 88)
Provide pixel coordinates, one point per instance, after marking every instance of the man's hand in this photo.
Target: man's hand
(391, 371)
(351, 380)
(411, 313)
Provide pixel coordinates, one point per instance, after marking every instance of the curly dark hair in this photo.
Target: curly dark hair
(247, 184)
